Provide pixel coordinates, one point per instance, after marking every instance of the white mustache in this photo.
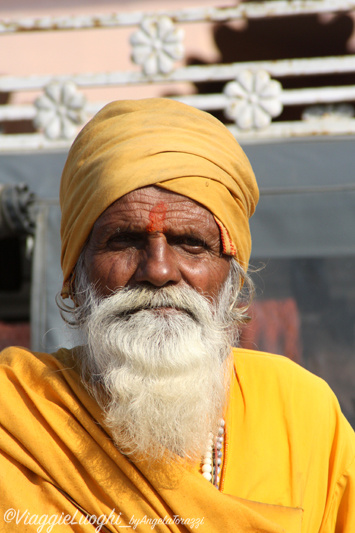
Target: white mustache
(128, 301)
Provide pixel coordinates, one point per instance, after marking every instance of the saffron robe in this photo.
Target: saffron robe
(289, 457)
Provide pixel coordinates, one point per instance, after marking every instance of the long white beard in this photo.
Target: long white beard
(164, 372)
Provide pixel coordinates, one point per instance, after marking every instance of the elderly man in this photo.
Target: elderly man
(155, 422)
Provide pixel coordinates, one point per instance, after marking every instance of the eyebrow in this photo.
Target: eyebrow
(193, 233)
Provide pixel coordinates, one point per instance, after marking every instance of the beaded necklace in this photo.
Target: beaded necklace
(212, 458)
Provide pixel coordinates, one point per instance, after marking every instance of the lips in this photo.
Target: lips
(158, 310)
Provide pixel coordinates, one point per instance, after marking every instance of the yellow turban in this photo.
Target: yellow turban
(136, 143)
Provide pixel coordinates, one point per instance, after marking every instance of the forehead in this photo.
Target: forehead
(154, 209)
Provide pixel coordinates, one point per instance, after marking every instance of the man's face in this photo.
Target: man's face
(157, 238)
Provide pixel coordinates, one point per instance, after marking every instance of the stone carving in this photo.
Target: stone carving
(253, 99)
(157, 45)
(334, 111)
(60, 110)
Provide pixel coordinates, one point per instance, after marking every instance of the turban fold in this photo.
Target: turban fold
(131, 144)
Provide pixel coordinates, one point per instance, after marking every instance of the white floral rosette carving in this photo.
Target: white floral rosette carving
(157, 45)
(253, 99)
(60, 110)
(328, 111)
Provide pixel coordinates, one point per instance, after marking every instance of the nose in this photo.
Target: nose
(158, 263)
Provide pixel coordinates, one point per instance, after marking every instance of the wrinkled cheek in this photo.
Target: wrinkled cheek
(114, 274)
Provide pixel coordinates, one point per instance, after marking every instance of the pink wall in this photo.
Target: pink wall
(98, 50)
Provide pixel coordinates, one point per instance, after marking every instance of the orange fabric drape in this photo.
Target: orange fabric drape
(288, 457)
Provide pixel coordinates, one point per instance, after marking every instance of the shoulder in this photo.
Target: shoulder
(34, 383)
(22, 369)
(279, 388)
(19, 358)
(277, 372)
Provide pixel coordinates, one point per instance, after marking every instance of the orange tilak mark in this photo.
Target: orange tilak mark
(157, 218)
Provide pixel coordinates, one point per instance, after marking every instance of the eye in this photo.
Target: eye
(189, 243)
(124, 240)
